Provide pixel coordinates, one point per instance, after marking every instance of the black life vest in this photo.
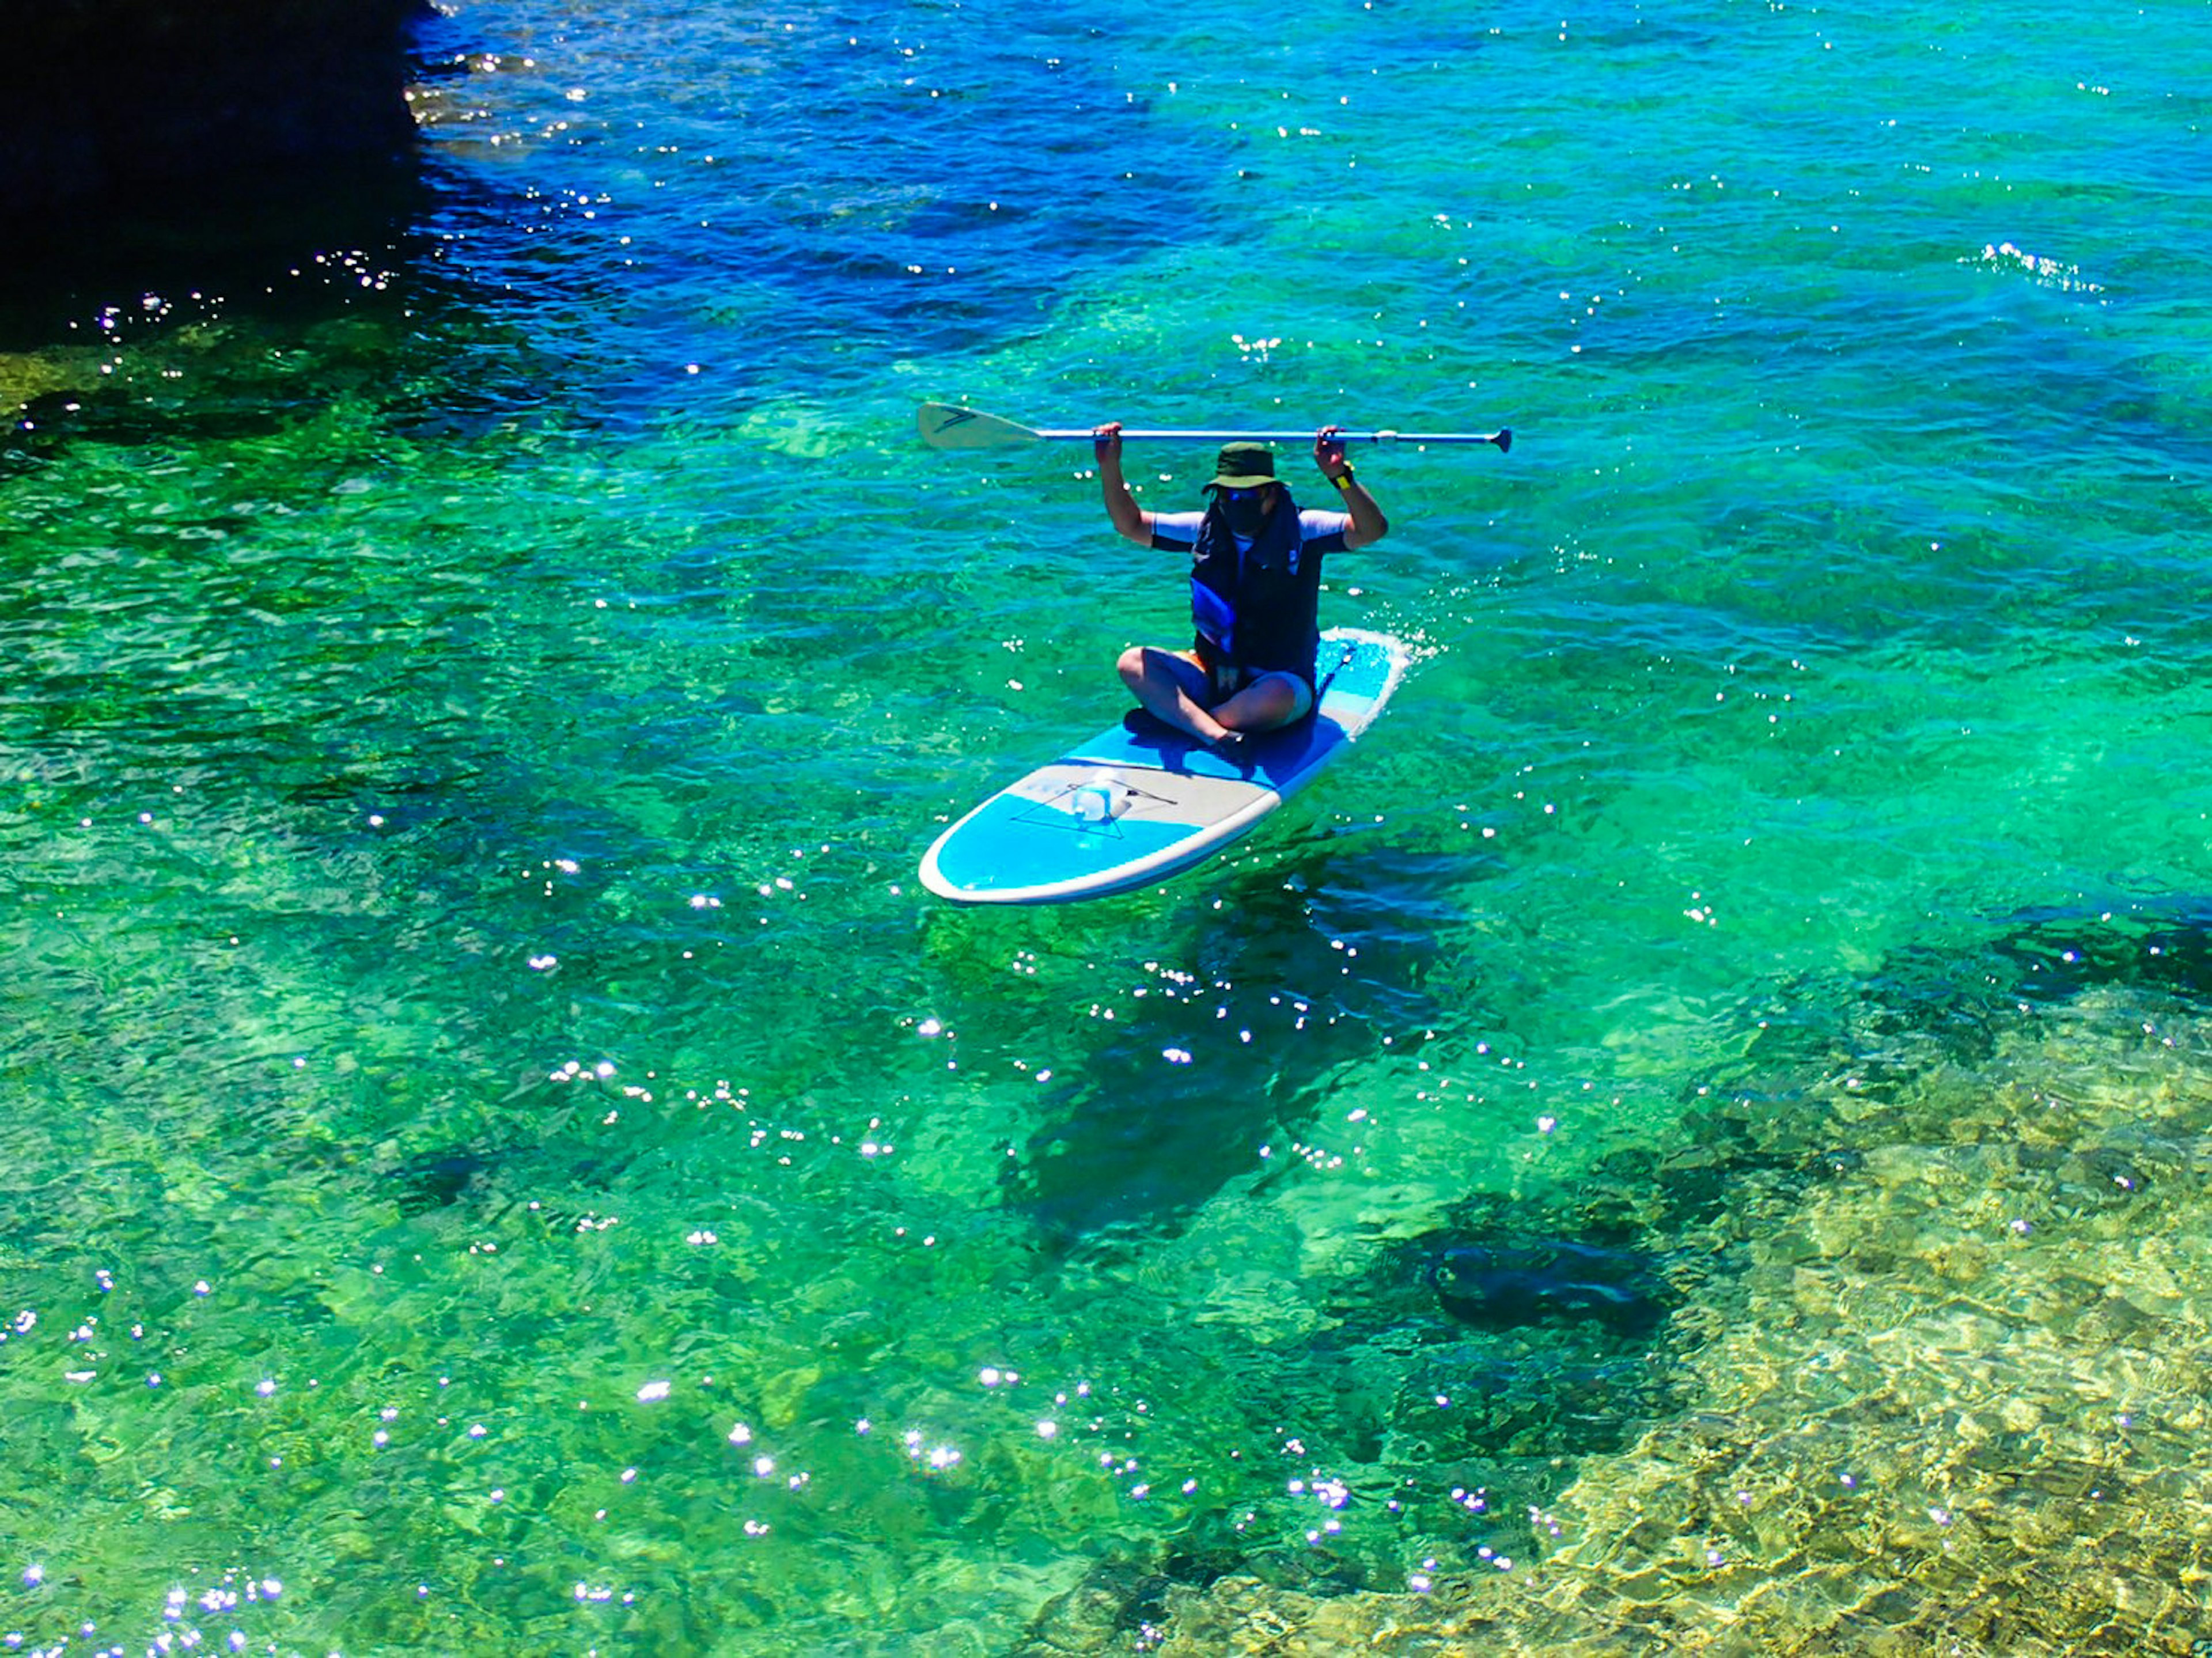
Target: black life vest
(1262, 610)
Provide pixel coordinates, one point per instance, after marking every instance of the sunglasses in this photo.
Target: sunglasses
(1252, 494)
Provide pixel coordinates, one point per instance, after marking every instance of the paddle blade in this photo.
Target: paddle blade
(1503, 439)
(943, 426)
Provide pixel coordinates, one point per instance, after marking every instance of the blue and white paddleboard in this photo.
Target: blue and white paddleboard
(1139, 802)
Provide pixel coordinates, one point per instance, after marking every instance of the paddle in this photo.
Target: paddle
(944, 426)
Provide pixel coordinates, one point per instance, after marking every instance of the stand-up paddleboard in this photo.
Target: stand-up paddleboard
(1141, 801)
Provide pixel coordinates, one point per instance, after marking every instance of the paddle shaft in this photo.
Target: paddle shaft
(1503, 440)
(948, 426)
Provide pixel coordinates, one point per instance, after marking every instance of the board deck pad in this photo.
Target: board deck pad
(1141, 801)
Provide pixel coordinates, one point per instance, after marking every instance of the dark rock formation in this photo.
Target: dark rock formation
(141, 105)
(1505, 1283)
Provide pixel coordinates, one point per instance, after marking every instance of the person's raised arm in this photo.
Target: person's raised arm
(1121, 505)
(1368, 523)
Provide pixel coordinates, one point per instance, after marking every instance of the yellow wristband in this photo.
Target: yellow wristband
(1343, 480)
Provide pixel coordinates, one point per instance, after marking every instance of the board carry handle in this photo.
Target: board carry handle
(948, 426)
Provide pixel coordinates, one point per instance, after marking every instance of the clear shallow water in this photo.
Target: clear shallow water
(493, 1113)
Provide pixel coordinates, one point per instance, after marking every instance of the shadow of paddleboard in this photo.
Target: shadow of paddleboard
(1207, 1079)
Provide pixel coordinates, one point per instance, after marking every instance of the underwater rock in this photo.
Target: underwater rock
(1504, 1285)
(2059, 953)
(1119, 1607)
(1097, 1615)
(1487, 1360)
(440, 1179)
(2101, 1173)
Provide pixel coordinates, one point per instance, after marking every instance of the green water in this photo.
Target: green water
(506, 1159)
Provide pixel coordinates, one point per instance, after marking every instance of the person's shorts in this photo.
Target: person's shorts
(1210, 689)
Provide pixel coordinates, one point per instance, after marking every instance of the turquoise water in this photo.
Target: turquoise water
(506, 1159)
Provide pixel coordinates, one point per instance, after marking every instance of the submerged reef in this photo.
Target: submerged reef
(1946, 1392)
(141, 104)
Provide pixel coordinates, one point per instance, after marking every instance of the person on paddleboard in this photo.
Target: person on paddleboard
(1255, 588)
